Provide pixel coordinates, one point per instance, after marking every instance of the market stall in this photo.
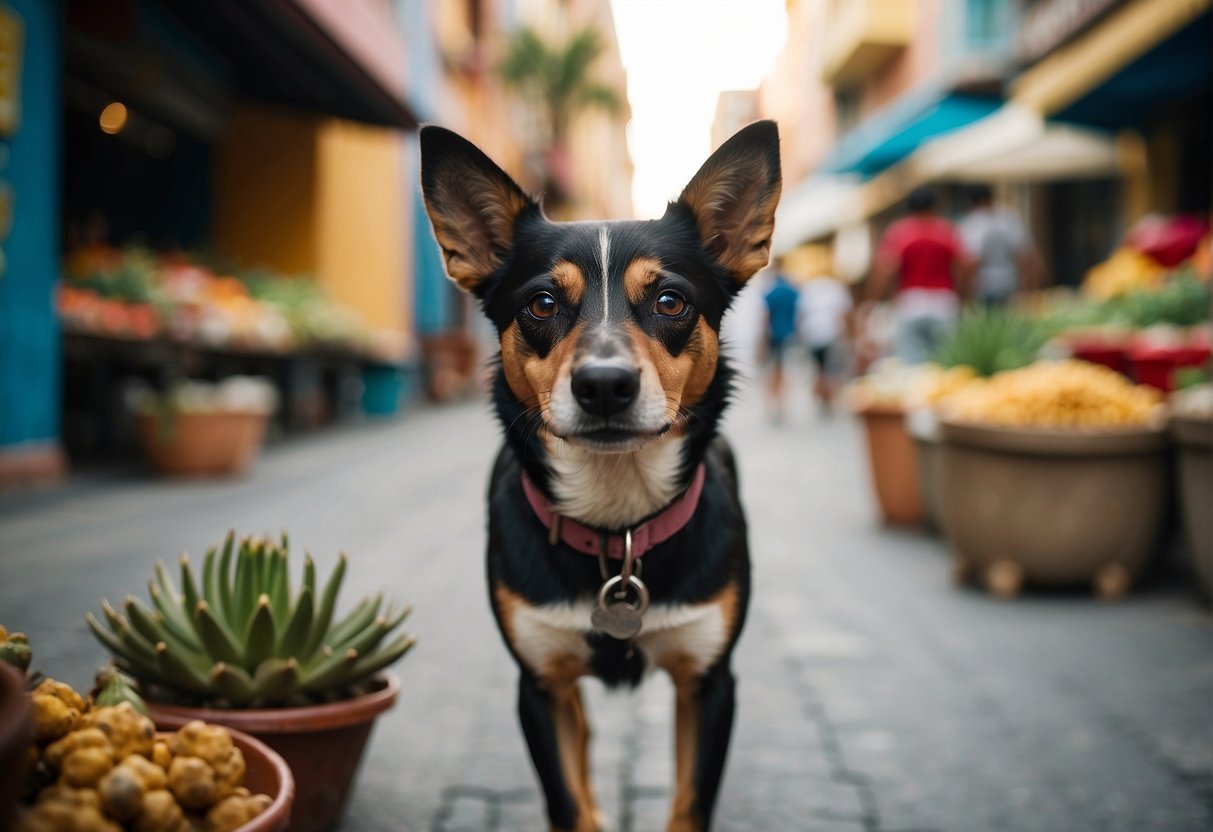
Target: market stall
(1040, 440)
(230, 207)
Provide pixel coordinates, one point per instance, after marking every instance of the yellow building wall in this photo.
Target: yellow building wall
(265, 196)
(320, 198)
(362, 222)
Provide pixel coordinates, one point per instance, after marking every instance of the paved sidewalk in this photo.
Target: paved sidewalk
(873, 694)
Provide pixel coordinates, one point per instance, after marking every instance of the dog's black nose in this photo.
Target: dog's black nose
(605, 390)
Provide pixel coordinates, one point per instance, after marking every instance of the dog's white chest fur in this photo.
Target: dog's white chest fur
(689, 632)
(614, 490)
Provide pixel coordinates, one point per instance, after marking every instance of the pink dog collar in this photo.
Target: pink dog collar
(644, 537)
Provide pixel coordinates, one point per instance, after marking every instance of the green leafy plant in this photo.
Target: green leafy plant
(558, 77)
(991, 341)
(238, 635)
(1183, 301)
(1186, 378)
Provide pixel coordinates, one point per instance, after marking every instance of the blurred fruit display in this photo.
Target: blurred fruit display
(1063, 394)
(136, 295)
(1168, 241)
(1146, 332)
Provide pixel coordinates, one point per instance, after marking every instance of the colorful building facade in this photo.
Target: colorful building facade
(1079, 112)
(227, 128)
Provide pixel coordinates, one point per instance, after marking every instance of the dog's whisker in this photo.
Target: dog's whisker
(523, 415)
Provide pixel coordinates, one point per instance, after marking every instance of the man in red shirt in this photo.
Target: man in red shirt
(922, 259)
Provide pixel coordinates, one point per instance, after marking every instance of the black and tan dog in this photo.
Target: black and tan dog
(617, 542)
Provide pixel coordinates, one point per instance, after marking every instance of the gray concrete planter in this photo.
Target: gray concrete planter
(1194, 437)
(1052, 507)
(923, 426)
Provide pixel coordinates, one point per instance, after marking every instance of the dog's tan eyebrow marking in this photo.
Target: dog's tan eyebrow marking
(604, 244)
(639, 277)
(569, 280)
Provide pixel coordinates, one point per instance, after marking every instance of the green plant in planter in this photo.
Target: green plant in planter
(991, 341)
(240, 637)
(1181, 301)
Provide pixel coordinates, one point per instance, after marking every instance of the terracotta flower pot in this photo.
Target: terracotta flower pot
(1052, 507)
(265, 772)
(201, 444)
(450, 364)
(322, 744)
(1195, 439)
(894, 464)
(16, 732)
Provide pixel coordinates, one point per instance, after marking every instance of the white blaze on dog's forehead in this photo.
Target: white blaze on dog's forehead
(604, 245)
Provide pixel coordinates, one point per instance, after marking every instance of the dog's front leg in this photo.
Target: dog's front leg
(703, 722)
(557, 733)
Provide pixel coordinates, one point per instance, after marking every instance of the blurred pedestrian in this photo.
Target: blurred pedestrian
(780, 334)
(1007, 263)
(923, 263)
(825, 304)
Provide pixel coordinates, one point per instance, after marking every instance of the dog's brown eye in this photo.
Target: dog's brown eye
(542, 306)
(670, 304)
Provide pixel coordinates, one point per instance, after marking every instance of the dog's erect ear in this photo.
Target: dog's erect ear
(733, 198)
(472, 203)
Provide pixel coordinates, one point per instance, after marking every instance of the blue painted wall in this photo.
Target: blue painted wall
(29, 329)
(434, 293)
(435, 298)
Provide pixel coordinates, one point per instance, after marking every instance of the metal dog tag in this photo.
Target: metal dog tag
(617, 618)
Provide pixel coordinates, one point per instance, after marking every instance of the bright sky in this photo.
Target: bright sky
(679, 55)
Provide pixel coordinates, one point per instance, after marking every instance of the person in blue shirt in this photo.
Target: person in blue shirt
(780, 332)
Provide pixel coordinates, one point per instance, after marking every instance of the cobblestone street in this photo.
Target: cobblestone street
(873, 694)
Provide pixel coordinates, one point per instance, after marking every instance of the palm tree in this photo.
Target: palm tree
(558, 80)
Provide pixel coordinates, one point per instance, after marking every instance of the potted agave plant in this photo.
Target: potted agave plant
(236, 646)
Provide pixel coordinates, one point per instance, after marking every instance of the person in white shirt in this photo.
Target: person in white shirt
(1007, 262)
(820, 322)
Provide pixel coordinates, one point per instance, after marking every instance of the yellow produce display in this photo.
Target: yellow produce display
(1063, 394)
(938, 384)
(1125, 271)
(103, 769)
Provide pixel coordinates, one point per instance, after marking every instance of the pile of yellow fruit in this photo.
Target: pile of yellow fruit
(938, 384)
(1063, 394)
(1125, 271)
(104, 769)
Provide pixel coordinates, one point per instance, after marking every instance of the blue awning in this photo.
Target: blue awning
(886, 139)
(1175, 70)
